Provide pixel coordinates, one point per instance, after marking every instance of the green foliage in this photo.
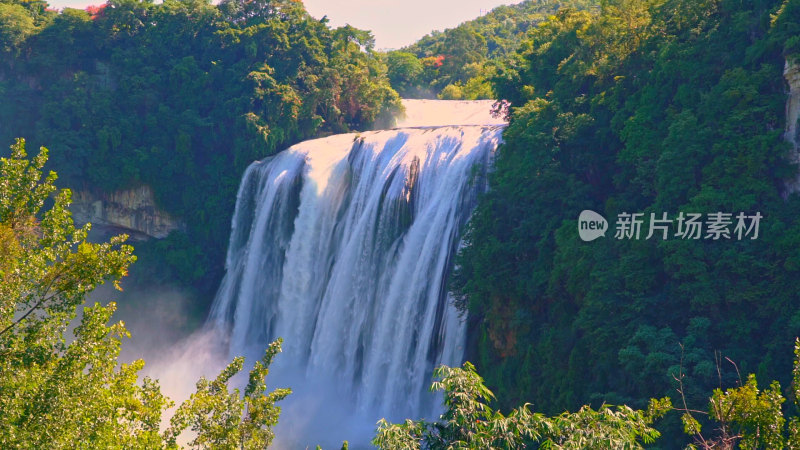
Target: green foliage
(16, 24)
(226, 420)
(404, 69)
(55, 392)
(476, 88)
(756, 413)
(469, 422)
(640, 106)
(457, 63)
(60, 391)
(50, 267)
(747, 417)
(182, 96)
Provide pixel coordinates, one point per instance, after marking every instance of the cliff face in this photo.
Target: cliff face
(792, 74)
(133, 211)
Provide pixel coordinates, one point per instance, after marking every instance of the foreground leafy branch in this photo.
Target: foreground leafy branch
(58, 391)
(225, 420)
(748, 417)
(745, 416)
(469, 422)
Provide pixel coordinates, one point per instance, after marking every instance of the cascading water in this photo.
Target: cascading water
(342, 247)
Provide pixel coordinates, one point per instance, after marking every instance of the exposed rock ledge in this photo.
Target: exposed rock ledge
(792, 74)
(132, 211)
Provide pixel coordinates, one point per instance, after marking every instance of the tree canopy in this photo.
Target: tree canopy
(456, 64)
(644, 106)
(182, 95)
(63, 388)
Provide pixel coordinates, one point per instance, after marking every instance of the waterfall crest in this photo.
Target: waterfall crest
(342, 247)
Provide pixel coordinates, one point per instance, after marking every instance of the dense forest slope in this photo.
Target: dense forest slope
(457, 63)
(180, 96)
(646, 106)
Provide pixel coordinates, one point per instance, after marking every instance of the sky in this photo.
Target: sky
(395, 23)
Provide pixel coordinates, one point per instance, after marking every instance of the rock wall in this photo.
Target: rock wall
(133, 211)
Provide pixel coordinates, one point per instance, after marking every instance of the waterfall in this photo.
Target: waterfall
(342, 246)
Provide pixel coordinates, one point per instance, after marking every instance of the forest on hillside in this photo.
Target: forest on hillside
(458, 63)
(181, 96)
(653, 107)
(616, 106)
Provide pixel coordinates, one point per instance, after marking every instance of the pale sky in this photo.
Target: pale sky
(394, 23)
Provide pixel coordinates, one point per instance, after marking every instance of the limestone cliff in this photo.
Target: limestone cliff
(792, 74)
(133, 211)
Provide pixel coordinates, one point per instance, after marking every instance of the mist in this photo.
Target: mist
(179, 351)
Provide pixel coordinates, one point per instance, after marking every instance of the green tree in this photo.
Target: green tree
(60, 391)
(16, 24)
(652, 107)
(226, 420)
(468, 422)
(458, 57)
(181, 96)
(404, 70)
(747, 417)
